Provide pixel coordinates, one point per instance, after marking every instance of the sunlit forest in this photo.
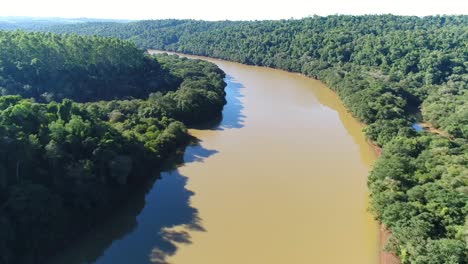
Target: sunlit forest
(86, 113)
(391, 72)
(82, 121)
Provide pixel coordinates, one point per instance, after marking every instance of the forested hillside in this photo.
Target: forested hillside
(53, 67)
(64, 164)
(390, 71)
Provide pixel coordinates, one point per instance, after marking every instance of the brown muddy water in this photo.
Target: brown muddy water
(281, 179)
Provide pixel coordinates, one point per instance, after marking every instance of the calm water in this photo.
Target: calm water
(282, 179)
(417, 127)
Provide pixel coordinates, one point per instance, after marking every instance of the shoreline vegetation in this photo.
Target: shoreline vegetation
(385, 257)
(83, 120)
(383, 67)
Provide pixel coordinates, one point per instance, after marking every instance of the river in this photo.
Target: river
(281, 179)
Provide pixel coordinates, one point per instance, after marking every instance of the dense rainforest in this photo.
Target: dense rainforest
(82, 121)
(390, 71)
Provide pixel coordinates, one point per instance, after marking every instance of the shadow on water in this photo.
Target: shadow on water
(140, 232)
(197, 153)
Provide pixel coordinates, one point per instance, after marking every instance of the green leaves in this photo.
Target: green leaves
(415, 192)
(68, 160)
(50, 67)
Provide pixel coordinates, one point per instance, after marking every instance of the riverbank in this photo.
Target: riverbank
(278, 145)
(430, 128)
(384, 234)
(384, 257)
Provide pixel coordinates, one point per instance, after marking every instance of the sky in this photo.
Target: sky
(225, 10)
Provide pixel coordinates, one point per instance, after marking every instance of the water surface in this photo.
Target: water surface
(282, 179)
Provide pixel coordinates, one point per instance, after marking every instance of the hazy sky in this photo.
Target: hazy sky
(222, 9)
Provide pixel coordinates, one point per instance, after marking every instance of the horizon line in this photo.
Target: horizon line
(215, 20)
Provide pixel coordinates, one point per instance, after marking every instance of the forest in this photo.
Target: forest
(82, 121)
(390, 71)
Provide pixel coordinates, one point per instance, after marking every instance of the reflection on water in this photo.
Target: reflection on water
(417, 127)
(280, 179)
(232, 112)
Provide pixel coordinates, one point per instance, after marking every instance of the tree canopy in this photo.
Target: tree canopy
(390, 71)
(82, 120)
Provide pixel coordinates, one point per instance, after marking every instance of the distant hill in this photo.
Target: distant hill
(32, 23)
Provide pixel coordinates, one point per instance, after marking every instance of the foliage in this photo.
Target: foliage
(384, 68)
(419, 191)
(67, 162)
(50, 67)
